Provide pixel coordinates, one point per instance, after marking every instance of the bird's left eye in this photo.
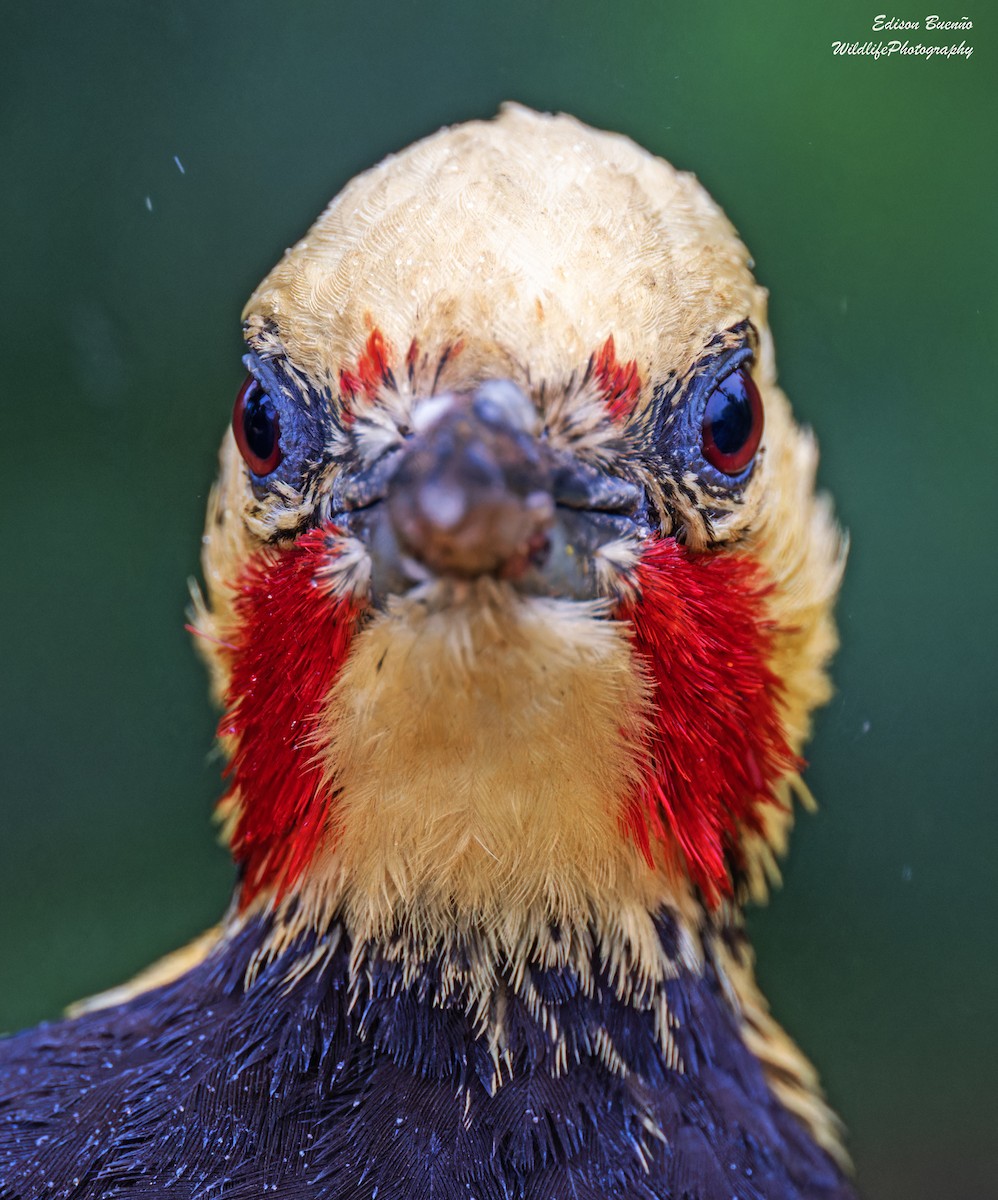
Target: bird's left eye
(257, 428)
(732, 423)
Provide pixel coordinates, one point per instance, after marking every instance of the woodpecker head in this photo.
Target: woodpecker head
(518, 589)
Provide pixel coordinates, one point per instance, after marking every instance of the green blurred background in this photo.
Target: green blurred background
(866, 191)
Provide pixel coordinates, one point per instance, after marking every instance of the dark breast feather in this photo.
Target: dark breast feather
(207, 1090)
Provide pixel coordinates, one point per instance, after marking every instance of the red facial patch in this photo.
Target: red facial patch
(291, 639)
(373, 371)
(619, 383)
(717, 746)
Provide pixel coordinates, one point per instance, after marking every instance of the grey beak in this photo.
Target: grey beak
(472, 492)
(476, 489)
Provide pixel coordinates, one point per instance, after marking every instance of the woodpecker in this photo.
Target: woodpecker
(517, 603)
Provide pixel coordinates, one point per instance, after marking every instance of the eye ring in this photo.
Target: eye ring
(732, 422)
(257, 428)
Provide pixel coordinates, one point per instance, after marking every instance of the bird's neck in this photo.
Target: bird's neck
(470, 765)
(478, 751)
(478, 754)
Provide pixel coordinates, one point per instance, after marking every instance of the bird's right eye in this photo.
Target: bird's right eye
(732, 423)
(257, 428)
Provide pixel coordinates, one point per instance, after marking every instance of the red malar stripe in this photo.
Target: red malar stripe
(717, 745)
(291, 639)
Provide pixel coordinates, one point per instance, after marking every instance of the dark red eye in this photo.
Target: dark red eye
(257, 428)
(732, 423)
